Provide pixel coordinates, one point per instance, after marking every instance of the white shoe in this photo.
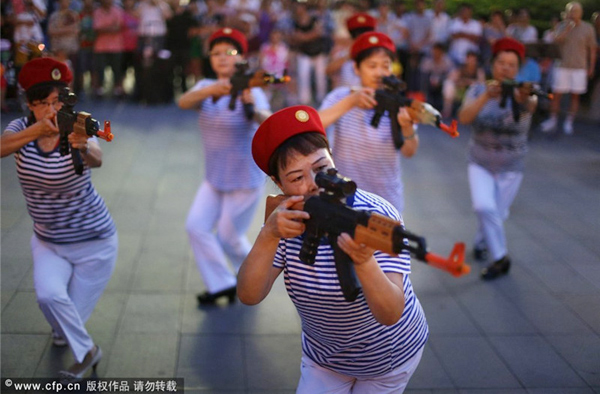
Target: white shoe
(58, 341)
(568, 127)
(548, 125)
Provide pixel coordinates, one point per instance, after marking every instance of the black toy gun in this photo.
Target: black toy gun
(330, 217)
(392, 97)
(243, 79)
(80, 122)
(508, 91)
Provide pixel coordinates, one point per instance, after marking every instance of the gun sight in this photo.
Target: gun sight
(334, 184)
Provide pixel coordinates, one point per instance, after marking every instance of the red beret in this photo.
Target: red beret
(370, 40)
(509, 44)
(279, 127)
(232, 34)
(361, 20)
(44, 71)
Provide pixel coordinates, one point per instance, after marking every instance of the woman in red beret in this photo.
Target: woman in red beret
(228, 197)
(362, 152)
(370, 345)
(75, 241)
(497, 150)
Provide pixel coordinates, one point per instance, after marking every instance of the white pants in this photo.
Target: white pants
(315, 379)
(69, 280)
(570, 80)
(231, 213)
(492, 195)
(305, 64)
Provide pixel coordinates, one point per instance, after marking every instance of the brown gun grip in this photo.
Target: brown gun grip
(378, 234)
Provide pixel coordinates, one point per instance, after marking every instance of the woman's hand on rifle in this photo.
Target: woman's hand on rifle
(364, 98)
(359, 253)
(47, 126)
(287, 220)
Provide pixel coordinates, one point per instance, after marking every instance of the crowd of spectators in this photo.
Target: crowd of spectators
(161, 44)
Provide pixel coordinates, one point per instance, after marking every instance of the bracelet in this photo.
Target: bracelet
(410, 137)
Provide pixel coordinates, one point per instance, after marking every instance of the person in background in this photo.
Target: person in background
(63, 30)
(341, 67)
(179, 33)
(465, 34)
(228, 197)
(440, 22)
(418, 24)
(85, 55)
(362, 152)
(493, 30)
(496, 153)
(434, 71)
(75, 242)
(577, 43)
(274, 58)
(380, 354)
(130, 37)
(108, 46)
(459, 80)
(521, 29)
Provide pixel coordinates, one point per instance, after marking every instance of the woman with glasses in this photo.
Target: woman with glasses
(226, 201)
(75, 242)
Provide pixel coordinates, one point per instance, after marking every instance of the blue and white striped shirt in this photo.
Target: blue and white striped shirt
(344, 336)
(227, 140)
(364, 153)
(65, 207)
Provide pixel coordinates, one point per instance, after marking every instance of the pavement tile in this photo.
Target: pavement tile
(535, 363)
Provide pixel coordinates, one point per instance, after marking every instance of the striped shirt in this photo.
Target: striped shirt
(227, 139)
(344, 336)
(498, 143)
(65, 207)
(364, 153)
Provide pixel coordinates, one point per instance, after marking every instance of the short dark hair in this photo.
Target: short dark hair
(354, 33)
(304, 143)
(368, 52)
(227, 41)
(40, 92)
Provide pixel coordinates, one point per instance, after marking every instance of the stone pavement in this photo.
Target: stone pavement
(535, 331)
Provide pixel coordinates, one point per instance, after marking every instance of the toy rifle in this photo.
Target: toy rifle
(80, 122)
(243, 79)
(330, 217)
(392, 97)
(508, 91)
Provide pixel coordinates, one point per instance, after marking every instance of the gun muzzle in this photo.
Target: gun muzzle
(106, 134)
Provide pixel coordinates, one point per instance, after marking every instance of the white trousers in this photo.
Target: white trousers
(230, 214)
(492, 195)
(315, 379)
(69, 280)
(305, 64)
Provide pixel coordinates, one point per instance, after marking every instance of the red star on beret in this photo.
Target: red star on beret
(44, 70)
(232, 34)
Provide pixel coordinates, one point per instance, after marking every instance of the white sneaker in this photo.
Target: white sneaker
(568, 127)
(548, 125)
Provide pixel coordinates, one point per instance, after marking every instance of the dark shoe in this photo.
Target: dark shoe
(207, 298)
(480, 253)
(499, 267)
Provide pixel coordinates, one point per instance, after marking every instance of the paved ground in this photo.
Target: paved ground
(535, 331)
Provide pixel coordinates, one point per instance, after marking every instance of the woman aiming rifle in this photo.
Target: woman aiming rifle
(497, 151)
(371, 345)
(75, 242)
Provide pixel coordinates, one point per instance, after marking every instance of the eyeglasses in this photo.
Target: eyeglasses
(229, 52)
(57, 104)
